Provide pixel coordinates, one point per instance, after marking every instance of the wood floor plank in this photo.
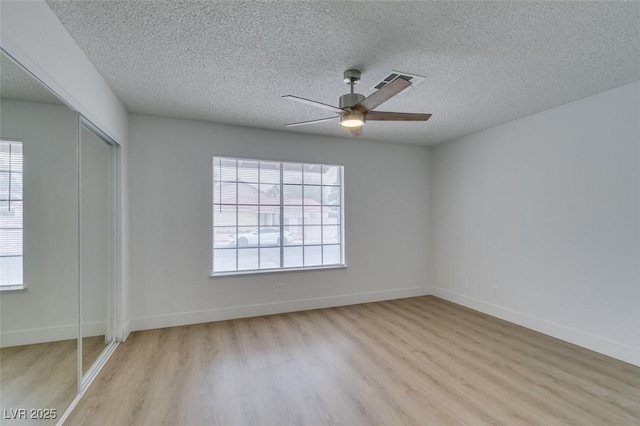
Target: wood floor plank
(477, 369)
(416, 361)
(42, 376)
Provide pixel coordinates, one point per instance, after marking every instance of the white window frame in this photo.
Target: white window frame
(15, 286)
(217, 202)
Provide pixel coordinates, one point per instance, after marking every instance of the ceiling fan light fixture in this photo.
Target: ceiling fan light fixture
(352, 119)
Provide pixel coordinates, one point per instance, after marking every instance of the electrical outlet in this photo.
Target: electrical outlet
(495, 290)
(280, 288)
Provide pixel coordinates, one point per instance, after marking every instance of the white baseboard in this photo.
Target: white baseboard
(586, 340)
(50, 334)
(246, 311)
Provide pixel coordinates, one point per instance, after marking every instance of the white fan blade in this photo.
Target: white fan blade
(314, 103)
(304, 123)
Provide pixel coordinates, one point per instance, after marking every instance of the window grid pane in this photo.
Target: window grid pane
(11, 213)
(274, 215)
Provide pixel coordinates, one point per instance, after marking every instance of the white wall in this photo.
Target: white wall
(47, 309)
(386, 226)
(547, 208)
(33, 35)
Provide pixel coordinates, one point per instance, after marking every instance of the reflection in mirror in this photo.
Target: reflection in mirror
(97, 246)
(38, 247)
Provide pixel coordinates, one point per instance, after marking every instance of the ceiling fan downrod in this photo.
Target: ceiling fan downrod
(351, 77)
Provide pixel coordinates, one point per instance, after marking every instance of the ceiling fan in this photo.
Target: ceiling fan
(355, 109)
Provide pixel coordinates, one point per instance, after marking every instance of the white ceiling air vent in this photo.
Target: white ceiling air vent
(414, 79)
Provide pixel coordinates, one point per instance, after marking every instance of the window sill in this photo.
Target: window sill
(270, 271)
(12, 288)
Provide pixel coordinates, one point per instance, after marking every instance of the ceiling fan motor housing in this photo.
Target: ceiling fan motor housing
(350, 99)
(351, 76)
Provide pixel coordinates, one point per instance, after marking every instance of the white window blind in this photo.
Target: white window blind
(10, 215)
(271, 215)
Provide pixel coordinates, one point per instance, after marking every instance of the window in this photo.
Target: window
(10, 215)
(271, 215)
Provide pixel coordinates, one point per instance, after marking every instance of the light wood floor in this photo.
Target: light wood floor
(92, 347)
(413, 361)
(43, 375)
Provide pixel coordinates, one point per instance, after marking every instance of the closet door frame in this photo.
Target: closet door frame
(85, 380)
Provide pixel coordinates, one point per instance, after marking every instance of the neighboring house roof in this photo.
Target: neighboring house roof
(248, 191)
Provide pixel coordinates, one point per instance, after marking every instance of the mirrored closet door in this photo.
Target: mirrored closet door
(97, 248)
(38, 247)
(57, 249)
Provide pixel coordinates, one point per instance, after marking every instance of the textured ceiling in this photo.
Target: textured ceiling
(16, 83)
(485, 63)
